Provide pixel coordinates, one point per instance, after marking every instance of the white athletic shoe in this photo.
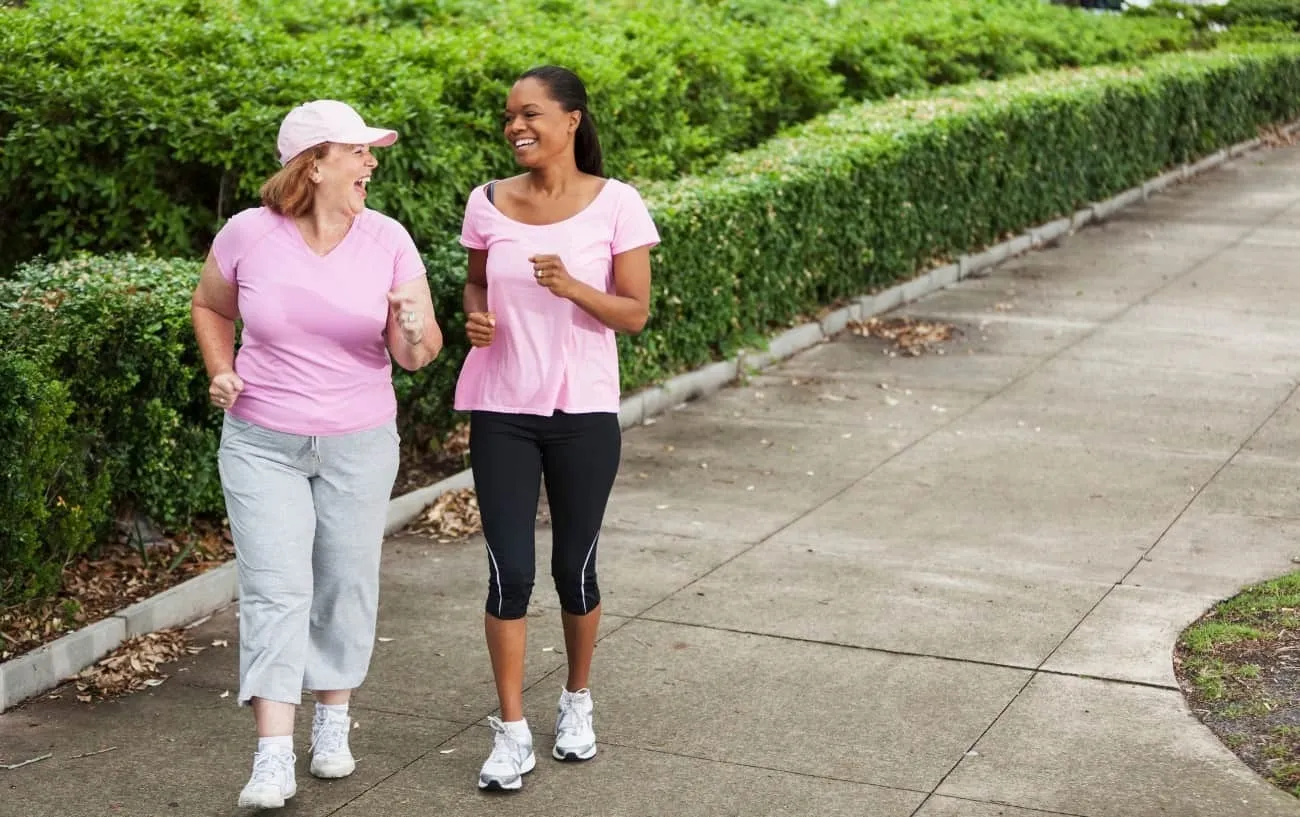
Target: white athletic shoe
(512, 758)
(574, 737)
(330, 755)
(272, 782)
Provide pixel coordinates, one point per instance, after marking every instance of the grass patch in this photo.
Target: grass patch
(1202, 639)
(1239, 667)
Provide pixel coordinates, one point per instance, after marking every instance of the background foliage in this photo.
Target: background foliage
(142, 126)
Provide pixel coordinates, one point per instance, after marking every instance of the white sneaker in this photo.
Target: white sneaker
(330, 755)
(272, 782)
(511, 759)
(574, 737)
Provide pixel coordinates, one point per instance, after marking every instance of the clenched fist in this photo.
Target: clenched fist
(481, 328)
(225, 389)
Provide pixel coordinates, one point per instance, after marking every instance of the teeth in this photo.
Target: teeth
(525, 142)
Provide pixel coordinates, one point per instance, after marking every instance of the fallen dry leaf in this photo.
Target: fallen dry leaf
(1275, 137)
(454, 515)
(132, 666)
(910, 337)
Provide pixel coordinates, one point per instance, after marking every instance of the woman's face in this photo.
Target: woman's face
(537, 127)
(342, 175)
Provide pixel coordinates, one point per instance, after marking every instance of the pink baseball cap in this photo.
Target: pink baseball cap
(326, 120)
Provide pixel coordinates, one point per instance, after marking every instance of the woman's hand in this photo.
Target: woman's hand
(481, 328)
(407, 311)
(550, 272)
(224, 389)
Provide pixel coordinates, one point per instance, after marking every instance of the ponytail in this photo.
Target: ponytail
(586, 146)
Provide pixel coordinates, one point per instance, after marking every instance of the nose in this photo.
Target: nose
(371, 161)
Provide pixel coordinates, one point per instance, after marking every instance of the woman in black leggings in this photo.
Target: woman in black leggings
(559, 260)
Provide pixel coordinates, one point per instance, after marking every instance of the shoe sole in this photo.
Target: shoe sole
(495, 784)
(573, 757)
(268, 803)
(326, 772)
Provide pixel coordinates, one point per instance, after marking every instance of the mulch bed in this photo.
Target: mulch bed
(119, 576)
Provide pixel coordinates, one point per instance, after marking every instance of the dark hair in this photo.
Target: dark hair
(566, 89)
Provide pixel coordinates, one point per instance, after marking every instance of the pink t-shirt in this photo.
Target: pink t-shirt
(313, 356)
(548, 354)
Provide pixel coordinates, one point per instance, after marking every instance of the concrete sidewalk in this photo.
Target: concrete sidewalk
(858, 585)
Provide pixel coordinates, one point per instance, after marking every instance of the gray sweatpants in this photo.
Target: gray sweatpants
(307, 515)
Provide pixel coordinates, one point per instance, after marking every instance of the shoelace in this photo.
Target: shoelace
(504, 743)
(268, 767)
(573, 720)
(330, 733)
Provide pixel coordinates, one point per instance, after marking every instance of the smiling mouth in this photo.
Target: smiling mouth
(521, 144)
(360, 186)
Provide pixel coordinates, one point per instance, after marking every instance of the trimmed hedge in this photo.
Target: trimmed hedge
(143, 125)
(854, 200)
(1253, 16)
(870, 194)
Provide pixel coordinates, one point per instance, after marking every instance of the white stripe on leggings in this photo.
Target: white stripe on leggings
(582, 581)
(501, 596)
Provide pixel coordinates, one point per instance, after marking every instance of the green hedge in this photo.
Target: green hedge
(1255, 16)
(870, 194)
(857, 199)
(112, 336)
(52, 503)
(142, 124)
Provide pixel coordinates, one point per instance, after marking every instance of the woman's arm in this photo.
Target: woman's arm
(480, 324)
(213, 310)
(413, 344)
(626, 310)
(476, 283)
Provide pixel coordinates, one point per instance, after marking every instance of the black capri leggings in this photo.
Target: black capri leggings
(510, 454)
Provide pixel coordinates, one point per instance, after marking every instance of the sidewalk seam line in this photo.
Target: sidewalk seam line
(1103, 324)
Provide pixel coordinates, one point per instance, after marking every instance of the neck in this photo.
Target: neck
(326, 218)
(553, 180)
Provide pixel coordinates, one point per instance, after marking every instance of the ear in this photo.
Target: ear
(575, 119)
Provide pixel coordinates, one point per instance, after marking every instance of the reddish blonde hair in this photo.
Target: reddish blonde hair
(290, 191)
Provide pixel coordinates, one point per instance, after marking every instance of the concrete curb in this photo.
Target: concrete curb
(47, 667)
(402, 509)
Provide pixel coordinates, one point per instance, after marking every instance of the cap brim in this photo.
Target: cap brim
(376, 137)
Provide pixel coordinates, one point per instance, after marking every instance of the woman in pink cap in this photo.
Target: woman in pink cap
(559, 260)
(329, 293)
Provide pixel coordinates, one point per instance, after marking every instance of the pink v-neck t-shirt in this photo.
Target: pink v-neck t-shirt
(548, 354)
(313, 356)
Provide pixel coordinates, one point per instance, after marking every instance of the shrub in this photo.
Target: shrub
(1260, 12)
(872, 193)
(52, 504)
(109, 147)
(116, 331)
